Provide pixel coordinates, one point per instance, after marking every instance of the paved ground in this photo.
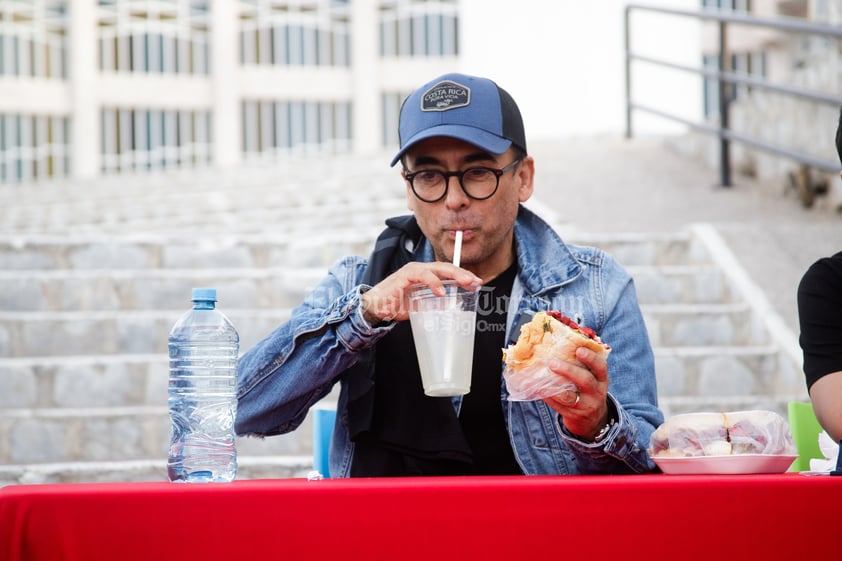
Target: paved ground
(649, 185)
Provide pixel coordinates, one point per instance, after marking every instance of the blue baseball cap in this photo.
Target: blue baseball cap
(468, 108)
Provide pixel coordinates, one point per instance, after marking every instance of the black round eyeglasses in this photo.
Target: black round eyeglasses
(478, 183)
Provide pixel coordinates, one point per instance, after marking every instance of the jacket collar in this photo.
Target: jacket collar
(545, 262)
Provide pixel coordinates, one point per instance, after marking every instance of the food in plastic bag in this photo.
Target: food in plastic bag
(723, 434)
(549, 335)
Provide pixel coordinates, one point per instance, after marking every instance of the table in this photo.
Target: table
(686, 517)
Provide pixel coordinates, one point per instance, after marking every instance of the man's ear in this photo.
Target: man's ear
(526, 177)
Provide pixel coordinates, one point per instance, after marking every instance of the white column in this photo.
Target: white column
(365, 62)
(224, 69)
(83, 72)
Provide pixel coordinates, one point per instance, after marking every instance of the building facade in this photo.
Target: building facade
(95, 87)
(803, 61)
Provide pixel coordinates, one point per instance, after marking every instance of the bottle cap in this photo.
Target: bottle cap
(204, 295)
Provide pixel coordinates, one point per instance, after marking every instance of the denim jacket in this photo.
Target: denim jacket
(297, 364)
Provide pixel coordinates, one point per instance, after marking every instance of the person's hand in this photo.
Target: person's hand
(586, 414)
(388, 300)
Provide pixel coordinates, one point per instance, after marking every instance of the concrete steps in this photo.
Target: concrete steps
(726, 378)
(89, 219)
(42, 290)
(345, 192)
(83, 367)
(95, 434)
(149, 289)
(91, 284)
(289, 250)
(24, 334)
(265, 467)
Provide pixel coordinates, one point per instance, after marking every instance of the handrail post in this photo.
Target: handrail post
(724, 100)
(627, 40)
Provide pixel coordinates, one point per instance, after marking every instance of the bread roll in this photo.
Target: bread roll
(551, 335)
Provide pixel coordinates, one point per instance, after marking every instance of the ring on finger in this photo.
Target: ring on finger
(568, 399)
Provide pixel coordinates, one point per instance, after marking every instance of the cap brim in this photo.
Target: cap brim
(479, 138)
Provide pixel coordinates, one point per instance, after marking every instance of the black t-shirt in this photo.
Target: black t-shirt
(413, 434)
(820, 316)
(481, 415)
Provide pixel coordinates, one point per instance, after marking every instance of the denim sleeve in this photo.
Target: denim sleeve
(298, 363)
(632, 385)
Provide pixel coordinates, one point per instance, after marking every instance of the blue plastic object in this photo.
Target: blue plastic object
(323, 420)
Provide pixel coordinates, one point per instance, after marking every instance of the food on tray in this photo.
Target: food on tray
(547, 336)
(722, 434)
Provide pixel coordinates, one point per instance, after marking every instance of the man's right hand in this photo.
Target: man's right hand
(388, 300)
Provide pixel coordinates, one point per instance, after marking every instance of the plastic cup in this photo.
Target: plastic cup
(443, 330)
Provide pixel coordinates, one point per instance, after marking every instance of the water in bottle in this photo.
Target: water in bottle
(203, 347)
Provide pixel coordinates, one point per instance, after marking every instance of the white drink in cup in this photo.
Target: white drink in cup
(443, 330)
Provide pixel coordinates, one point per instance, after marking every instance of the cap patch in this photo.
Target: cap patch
(445, 95)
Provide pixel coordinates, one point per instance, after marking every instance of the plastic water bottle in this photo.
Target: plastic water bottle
(204, 346)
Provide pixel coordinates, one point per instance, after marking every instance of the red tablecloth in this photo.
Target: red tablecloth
(746, 517)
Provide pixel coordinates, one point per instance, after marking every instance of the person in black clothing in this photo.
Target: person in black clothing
(820, 316)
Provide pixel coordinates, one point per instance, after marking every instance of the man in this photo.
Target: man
(465, 168)
(820, 316)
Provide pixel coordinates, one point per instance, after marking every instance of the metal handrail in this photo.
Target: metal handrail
(725, 78)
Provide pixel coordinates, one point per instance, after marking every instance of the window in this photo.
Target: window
(33, 39)
(145, 139)
(419, 28)
(739, 5)
(169, 36)
(276, 33)
(33, 147)
(391, 106)
(272, 127)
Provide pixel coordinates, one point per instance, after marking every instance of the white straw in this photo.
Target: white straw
(457, 248)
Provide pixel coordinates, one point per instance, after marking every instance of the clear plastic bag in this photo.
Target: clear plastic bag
(537, 381)
(722, 434)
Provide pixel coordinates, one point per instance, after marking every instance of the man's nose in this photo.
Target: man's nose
(456, 196)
